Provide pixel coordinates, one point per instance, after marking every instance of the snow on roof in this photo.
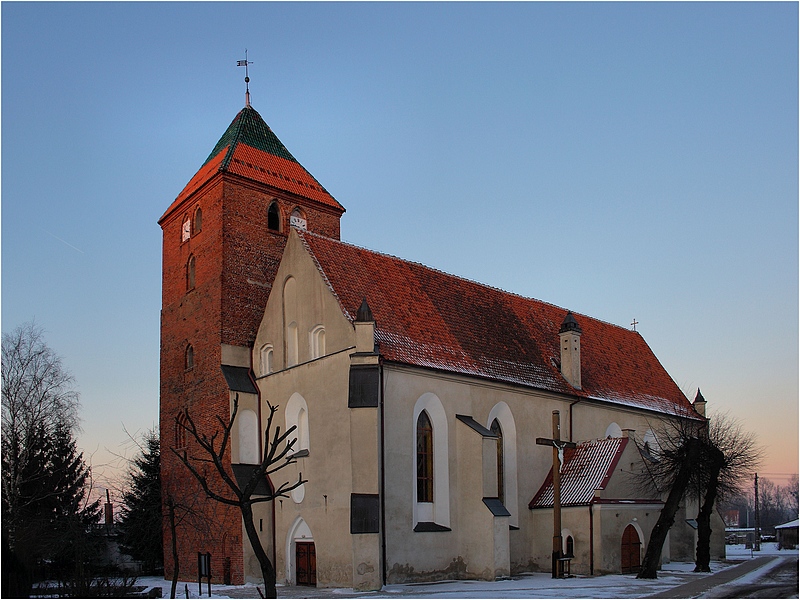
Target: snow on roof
(428, 318)
(586, 468)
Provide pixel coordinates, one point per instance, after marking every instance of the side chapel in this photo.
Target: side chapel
(417, 397)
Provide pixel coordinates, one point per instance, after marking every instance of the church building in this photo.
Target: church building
(417, 397)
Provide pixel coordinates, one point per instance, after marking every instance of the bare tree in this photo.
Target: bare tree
(38, 399)
(277, 455)
(729, 457)
(708, 457)
(672, 469)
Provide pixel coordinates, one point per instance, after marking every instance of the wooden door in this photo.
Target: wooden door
(306, 563)
(630, 550)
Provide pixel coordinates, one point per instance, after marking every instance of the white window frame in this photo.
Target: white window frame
(296, 414)
(502, 412)
(437, 511)
(316, 341)
(266, 356)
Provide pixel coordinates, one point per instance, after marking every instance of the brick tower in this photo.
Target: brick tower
(223, 238)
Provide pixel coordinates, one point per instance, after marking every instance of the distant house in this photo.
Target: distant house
(787, 535)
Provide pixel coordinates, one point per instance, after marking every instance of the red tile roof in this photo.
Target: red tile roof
(428, 318)
(250, 149)
(586, 468)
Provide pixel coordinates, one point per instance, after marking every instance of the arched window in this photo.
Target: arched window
(507, 463)
(298, 219)
(180, 431)
(248, 437)
(297, 416)
(273, 217)
(614, 431)
(265, 359)
(430, 474)
(198, 220)
(317, 341)
(424, 458)
(570, 547)
(190, 270)
(501, 469)
(189, 358)
(291, 345)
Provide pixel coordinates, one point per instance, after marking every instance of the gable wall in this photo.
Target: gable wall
(323, 384)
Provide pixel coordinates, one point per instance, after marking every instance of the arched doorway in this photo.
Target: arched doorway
(301, 555)
(631, 546)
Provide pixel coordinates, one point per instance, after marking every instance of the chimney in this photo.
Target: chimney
(365, 329)
(109, 511)
(699, 404)
(570, 336)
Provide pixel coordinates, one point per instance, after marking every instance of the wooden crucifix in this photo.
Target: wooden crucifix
(558, 461)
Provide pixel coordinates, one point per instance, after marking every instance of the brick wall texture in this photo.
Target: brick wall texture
(236, 258)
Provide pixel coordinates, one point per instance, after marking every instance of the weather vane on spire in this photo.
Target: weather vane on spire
(244, 63)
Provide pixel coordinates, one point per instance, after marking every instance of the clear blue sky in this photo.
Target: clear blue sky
(620, 160)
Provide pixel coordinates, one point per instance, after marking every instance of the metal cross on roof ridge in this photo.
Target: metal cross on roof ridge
(244, 63)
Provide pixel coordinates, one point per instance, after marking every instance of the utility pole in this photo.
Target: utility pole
(757, 530)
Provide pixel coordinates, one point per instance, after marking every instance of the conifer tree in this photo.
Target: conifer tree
(46, 511)
(140, 523)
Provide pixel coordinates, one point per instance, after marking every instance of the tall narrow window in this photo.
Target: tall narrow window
(273, 217)
(302, 430)
(570, 543)
(292, 357)
(501, 467)
(424, 458)
(198, 220)
(180, 431)
(190, 269)
(189, 357)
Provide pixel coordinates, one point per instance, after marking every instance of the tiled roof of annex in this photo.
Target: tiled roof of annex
(431, 319)
(587, 468)
(250, 149)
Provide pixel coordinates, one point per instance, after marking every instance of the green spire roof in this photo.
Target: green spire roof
(249, 128)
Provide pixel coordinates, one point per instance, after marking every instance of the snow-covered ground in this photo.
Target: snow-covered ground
(533, 585)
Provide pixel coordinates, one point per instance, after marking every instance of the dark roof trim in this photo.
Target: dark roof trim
(238, 379)
(473, 424)
(428, 527)
(497, 508)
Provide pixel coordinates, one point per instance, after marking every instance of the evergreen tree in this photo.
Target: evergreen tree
(46, 512)
(140, 524)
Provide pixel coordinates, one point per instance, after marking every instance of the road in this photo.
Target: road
(779, 582)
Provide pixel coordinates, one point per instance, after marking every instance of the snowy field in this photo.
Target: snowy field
(533, 585)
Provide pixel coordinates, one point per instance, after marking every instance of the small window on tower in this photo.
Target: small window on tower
(180, 430)
(189, 359)
(190, 269)
(274, 217)
(198, 220)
